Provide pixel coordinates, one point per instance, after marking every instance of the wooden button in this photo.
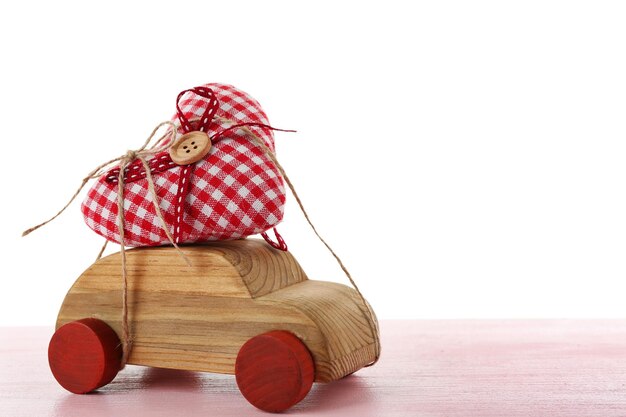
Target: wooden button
(190, 147)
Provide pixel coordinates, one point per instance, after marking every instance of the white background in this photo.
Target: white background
(466, 159)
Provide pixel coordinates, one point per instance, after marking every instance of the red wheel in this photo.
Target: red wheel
(274, 371)
(84, 355)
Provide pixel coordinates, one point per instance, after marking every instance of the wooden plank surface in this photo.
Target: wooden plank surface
(428, 368)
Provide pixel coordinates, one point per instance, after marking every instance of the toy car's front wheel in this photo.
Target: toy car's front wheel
(274, 370)
(84, 355)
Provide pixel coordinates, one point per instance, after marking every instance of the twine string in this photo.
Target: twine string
(367, 312)
(124, 162)
(102, 168)
(126, 341)
(106, 242)
(142, 153)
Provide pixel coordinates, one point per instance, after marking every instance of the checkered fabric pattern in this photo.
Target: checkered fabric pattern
(236, 190)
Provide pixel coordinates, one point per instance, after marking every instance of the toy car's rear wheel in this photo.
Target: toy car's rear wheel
(84, 355)
(274, 370)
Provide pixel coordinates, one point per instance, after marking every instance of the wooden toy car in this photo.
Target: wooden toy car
(242, 308)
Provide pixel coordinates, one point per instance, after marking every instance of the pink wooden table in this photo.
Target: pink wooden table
(429, 368)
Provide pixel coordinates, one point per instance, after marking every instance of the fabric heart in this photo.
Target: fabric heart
(233, 192)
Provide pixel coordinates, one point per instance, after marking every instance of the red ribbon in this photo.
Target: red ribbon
(205, 121)
(280, 245)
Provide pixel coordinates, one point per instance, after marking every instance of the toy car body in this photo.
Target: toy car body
(199, 317)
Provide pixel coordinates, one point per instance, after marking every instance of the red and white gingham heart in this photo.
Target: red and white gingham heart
(235, 191)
